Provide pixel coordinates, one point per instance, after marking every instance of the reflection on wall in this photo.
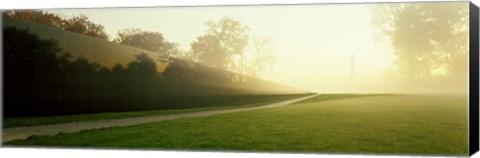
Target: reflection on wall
(53, 72)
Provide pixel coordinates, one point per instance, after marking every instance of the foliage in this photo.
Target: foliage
(40, 17)
(222, 41)
(222, 46)
(429, 39)
(153, 41)
(78, 24)
(81, 24)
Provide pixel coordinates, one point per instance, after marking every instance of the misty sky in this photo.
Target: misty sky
(313, 43)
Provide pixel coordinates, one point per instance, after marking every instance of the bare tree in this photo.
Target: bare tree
(264, 57)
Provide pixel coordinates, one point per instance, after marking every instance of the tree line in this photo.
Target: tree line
(222, 45)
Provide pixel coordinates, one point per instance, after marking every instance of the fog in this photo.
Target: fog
(314, 44)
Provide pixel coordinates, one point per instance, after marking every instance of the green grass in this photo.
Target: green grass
(380, 124)
(32, 121)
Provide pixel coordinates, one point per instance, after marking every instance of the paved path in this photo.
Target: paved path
(24, 132)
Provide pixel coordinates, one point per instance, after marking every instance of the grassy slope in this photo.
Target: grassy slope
(399, 124)
(32, 121)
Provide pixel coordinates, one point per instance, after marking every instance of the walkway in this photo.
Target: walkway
(15, 133)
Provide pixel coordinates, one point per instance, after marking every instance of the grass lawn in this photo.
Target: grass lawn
(32, 121)
(380, 124)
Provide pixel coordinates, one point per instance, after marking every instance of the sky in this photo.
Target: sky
(313, 44)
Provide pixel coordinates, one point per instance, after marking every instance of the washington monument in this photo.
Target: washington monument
(352, 70)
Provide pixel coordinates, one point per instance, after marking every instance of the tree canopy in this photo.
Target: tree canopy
(153, 41)
(429, 39)
(81, 24)
(223, 45)
(224, 39)
(78, 24)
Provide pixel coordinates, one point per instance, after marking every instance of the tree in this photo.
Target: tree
(152, 41)
(78, 24)
(207, 50)
(263, 57)
(81, 24)
(222, 41)
(40, 17)
(429, 39)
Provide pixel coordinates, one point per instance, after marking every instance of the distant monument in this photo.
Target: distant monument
(352, 70)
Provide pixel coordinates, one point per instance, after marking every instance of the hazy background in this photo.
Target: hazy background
(328, 48)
